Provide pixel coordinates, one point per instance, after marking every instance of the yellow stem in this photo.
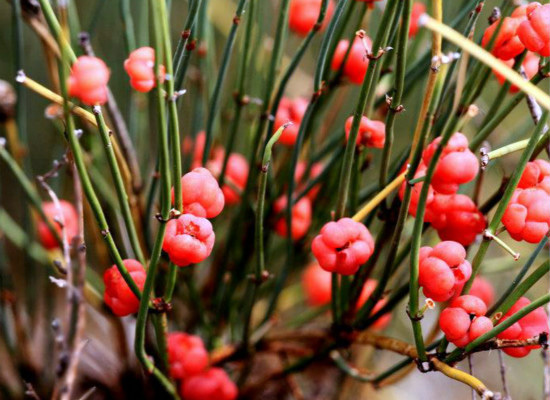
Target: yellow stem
(517, 146)
(370, 205)
(487, 58)
(463, 377)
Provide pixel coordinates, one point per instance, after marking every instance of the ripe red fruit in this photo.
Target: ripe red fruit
(357, 62)
(213, 384)
(140, 67)
(371, 133)
(88, 80)
(443, 270)
(457, 164)
(483, 289)
(187, 355)
(69, 218)
(417, 10)
(455, 217)
(316, 284)
(530, 65)
(236, 175)
(536, 175)
(416, 190)
(303, 14)
(301, 181)
(201, 194)
(527, 216)
(301, 217)
(464, 321)
(188, 239)
(507, 44)
(118, 295)
(342, 246)
(533, 324)
(534, 32)
(290, 111)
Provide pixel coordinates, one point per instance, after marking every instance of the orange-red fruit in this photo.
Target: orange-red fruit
(118, 295)
(507, 44)
(187, 355)
(88, 80)
(530, 65)
(303, 15)
(69, 218)
(371, 133)
(301, 217)
(483, 289)
(534, 32)
(342, 246)
(213, 384)
(417, 10)
(464, 320)
(456, 166)
(357, 62)
(201, 194)
(536, 175)
(416, 190)
(140, 67)
(236, 174)
(188, 239)
(527, 216)
(533, 324)
(290, 111)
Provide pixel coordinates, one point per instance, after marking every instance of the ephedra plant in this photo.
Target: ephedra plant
(211, 199)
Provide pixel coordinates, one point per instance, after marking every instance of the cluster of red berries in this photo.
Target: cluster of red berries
(290, 111)
(118, 295)
(371, 133)
(342, 246)
(68, 220)
(527, 216)
(189, 365)
(527, 27)
(533, 324)
(530, 65)
(454, 216)
(236, 171)
(303, 14)
(316, 283)
(464, 320)
(139, 67)
(443, 270)
(357, 62)
(88, 80)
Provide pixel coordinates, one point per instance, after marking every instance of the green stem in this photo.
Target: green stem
(182, 51)
(128, 25)
(53, 23)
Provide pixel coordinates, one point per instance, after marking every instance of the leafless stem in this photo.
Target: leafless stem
(503, 376)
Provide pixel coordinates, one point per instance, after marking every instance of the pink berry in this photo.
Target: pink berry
(69, 218)
(188, 239)
(536, 175)
(213, 384)
(417, 10)
(303, 14)
(478, 327)
(507, 44)
(454, 322)
(88, 80)
(301, 217)
(534, 32)
(342, 246)
(139, 66)
(201, 194)
(290, 111)
(527, 216)
(118, 296)
(187, 355)
(530, 66)
(357, 62)
(370, 134)
(316, 283)
(483, 289)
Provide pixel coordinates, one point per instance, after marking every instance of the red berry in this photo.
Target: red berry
(342, 246)
(483, 289)
(187, 355)
(479, 327)
(530, 65)
(213, 384)
(507, 44)
(303, 15)
(118, 295)
(527, 216)
(188, 239)
(416, 190)
(301, 181)
(534, 32)
(290, 111)
(371, 133)
(301, 217)
(88, 80)
(455, 217)
(471, 304)
(69, 218)
(457, 164)
(454, 322)
(464, 320)
(531, 325)
(368, 288)
(536, 175)
(417, 10)
(201, 194)
(357, 62)
(316, 283)
(236, 175)
(443, 270)
(139, 66)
